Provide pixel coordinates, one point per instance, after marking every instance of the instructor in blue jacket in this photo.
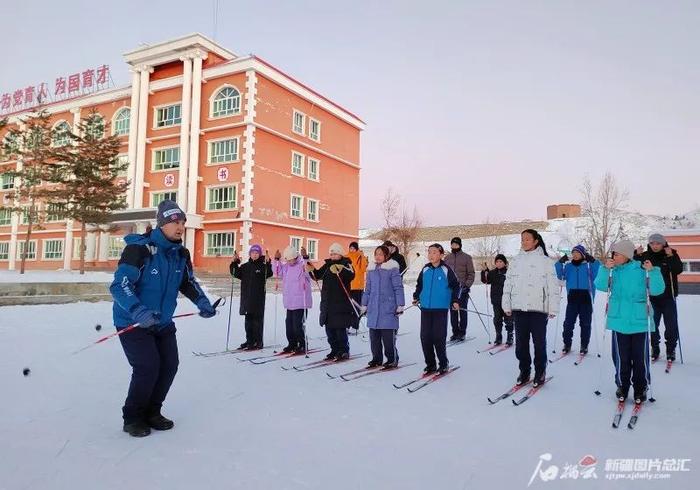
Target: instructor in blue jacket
(152, 269)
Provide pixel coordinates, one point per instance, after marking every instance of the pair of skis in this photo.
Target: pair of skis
(450, 343)
(367, 371)
(561, 356)
(530, 393)
(230, 351)
(619, 411)
(495, 349)
(424, 380)
(278, 356)
(322, 362)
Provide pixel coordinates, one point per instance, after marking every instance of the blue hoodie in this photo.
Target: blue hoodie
(151, 272)
(579, 276)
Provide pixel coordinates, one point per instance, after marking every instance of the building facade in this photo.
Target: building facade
(687, 243)
(251, 155)
(555, 211)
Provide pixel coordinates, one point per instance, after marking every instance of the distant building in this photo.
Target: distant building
(555, 211)
(687, 243)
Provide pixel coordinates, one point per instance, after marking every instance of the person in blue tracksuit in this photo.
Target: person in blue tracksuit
(153, 269)
(436, 290)
(579, 275)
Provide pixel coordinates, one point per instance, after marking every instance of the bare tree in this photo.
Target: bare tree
(604, 207)
(489, 244)
(400, 225)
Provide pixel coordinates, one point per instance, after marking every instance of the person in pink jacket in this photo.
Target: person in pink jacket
(296, 295)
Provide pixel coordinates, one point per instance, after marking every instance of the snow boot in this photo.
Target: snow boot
(288, 349)
(243, 346)
(391, 364)
(444, 368)
(523, 378)
(640, 394)
(539, 379)
(583, 351)
(566, 349)
(622, 392)
(670, 354)
(509, 338)
(331, 356)
(655, 352)
(499, 339)
(373, 364)
(453, 337)
(342, 356)
(429, 369)
(137, 429)
(158, 422)
(300, 348)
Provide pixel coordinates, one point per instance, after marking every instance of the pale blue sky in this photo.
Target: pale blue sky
(474, 108)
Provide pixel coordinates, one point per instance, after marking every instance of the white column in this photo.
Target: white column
(68, 245)
(248, 168)
(76, 119)
(185, 131)
(104, 246)
(90, 242)
(193, 177)
(15, 217)
(141, 137)
(133, 133)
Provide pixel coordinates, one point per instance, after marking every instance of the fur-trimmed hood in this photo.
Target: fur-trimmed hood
(388, 265)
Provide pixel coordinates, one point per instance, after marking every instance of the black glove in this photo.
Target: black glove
(144, 317)
(206, 310)
(564, 259)
(589, 258)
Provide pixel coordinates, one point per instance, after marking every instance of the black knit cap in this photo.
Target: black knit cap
(456, 240)
(501, 257)
(169, 211)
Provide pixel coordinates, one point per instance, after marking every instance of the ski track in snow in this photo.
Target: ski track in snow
(239, 425)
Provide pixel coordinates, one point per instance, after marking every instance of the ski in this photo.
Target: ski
(508, 393)
(618, 413)
(356, 371)
(490, 347)
(364, 337)
(635, 415)
(668, 366)
(559, 358)
(532, 392)
(431, 379)
(409, 383)
(376, 371)
(450, 343)
(580, 359)
(498, 351)
(230, 351)
(308, 367)
(282, 355)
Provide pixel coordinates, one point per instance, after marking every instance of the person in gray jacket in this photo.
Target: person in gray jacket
(463, 266)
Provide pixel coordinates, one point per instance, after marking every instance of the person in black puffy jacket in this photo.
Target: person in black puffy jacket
(496, 277)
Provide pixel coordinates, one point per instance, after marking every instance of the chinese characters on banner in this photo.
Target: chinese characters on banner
(76, 84)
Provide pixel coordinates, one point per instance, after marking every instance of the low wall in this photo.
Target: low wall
(52, 293)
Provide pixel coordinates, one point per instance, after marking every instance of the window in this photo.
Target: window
(297, 203)
(219, 244)
(53, 249)
(691, 266)
(53, 212)
(4, 250)
(312, 209)
(76, 250)
(223, 151)
(221, 198)
(7, 181)
(123, 163)
(5, 217)
(315, 129)
(166, 158)
(115, 247)
(313, 169)
(297, 164)
(10, 144)
(226, 102)
(95, 126)
(121, 122)
(299, 122)
(31, 251)
(312, 248)
(168, 116)
(296, 242)
(26, 213)
(61, 134)
(159, 197)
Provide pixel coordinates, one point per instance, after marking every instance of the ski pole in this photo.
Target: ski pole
(480, 319)
(675, 304)
(277, 280)
(230, 306)
(477, 313)
(607, 307)
(352, 302)
(129, 328)
(646, 343)
(591, 293)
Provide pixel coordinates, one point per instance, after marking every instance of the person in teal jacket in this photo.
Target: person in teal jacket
(628, 316)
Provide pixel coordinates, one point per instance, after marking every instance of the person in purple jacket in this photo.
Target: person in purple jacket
(383, 301)
(296, 295)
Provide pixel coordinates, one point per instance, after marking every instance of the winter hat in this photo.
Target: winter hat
(336, 248)
(255, 248)
(658, 238)
(501, 257)
(580, 249)
(169, 211)
(290, 253)
(623, 247)
(456, 240)
(354, 245)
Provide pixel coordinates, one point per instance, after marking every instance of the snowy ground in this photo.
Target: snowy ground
(257, 427)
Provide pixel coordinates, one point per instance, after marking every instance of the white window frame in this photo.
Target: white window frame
(46, 215)
(318, 169)
(301, 164)
(154, 194)
(44, 246)
(97, 117)
(118, 113)
(4, 250)
(165, 148)
(207, 247)
(317, 139)
(301, 132)
(208, 202)
(301, 206)
(76, 249)
(9, 216)
(294, 237)
(308, 211)
(4, 180)
(165, 107)
(20, 244)
(211, 143)
(315, 241)
(112, 252)
(123, 158)
(686, 267)
(212, 100)
(65, 142)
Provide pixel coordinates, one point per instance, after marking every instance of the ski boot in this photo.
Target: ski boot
(444, 368)
(566, 349)
(640, 395)
(523, 378)
(499, 339)
(391, 364)
(158, 422)
(342, 356)
(331, 356)
(622, 393)
(583, 351)
(373, 364)
(430, 369)
(137, 429)
(670, 354)
(539, 379)
(509, 338)
(243, 346)
(655, 352)
(288, 349)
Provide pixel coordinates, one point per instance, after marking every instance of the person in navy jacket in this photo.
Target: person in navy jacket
(579, 275)
(153, 269)
(437, 288)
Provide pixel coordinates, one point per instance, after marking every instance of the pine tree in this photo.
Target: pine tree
(88, 189)
(30, 144)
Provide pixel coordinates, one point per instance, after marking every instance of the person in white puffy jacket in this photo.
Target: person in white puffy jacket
(531, 295)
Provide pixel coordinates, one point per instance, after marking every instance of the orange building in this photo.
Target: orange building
(687, 243)
(555, 211)
(251, 154)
